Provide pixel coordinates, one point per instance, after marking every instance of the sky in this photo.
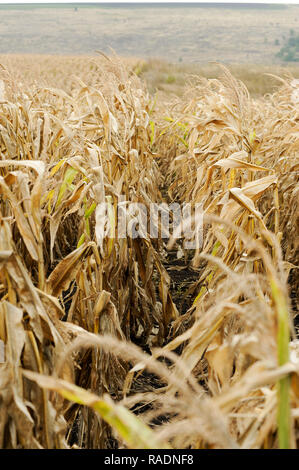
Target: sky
(152, 1)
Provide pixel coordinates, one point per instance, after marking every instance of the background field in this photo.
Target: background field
(178, 33)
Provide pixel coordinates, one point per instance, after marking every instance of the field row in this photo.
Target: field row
(114, 341)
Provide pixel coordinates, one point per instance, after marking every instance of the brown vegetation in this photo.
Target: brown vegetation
(97, 354)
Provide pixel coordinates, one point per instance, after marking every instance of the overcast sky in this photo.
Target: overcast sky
(152, 1)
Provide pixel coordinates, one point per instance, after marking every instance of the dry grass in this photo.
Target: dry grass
(159, 75)
(97, 354)
(171, 78)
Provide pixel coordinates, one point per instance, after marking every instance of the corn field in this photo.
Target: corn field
(140, 343)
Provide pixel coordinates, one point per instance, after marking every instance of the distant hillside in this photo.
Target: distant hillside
(236, 6)
(189, 33)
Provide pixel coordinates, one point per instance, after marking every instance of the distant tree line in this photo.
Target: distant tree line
(290, 51)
